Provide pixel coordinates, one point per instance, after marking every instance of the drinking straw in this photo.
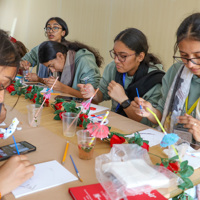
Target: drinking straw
(76, 169)
(15, 145)
(162, 129)
(42, 103)
(65, 153)
(82, 110)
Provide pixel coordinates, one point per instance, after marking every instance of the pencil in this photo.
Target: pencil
(138, 97)
(15, 145)
(65, 153)
(79, 177)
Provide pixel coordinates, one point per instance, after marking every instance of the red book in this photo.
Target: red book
(96, 192)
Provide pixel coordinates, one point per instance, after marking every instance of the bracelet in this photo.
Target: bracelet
(0, 195)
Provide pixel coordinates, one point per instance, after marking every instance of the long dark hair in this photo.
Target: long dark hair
(62, 23)
(135, 40)
(49, 49)
(189, 28)
(8, 53)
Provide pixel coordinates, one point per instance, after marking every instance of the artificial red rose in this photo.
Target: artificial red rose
(10, 88)
(47, 102)
(60, 115)
(145, 146)
(58, 106)
(116, 140)
(34, 97)
(174, 167)
(29, 89)
(85, 116)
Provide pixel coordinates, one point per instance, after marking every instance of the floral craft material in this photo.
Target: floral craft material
(30, 92)
(61, 106)
(169, 139)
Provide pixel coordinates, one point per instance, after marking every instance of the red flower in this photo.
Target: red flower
(60, 115)
(34, 97)
(29, 89)
(58, 106)
(174, 167)
(116, 140)
(145, 146)
(47, 102)
(10, 88)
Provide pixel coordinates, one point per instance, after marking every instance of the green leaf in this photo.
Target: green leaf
(165, 162)
(174, 158)
(13, 93)
(183, 164)
(187, 183)
(186, 172)
(57, 117)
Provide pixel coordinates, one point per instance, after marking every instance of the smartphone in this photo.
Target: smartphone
(67, 98)
(10, 150)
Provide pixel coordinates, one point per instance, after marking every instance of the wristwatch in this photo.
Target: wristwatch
(126, 104)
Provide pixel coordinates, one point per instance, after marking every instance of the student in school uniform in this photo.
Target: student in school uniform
(75, 63)
(179, 105)
(133, 67)
(56, 30)
(17, 169)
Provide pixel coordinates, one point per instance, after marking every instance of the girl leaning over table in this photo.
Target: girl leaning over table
(17, 169)
(75, 63)
(56, 29)
(179, 105)
(133, 67)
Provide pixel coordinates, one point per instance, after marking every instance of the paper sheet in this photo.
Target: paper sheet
(98, 109)
(154, 137)
(46, 175)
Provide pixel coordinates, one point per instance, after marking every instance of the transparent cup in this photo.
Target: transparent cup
(34, 120)
(69, 129)
(86, 144)
(25, 72)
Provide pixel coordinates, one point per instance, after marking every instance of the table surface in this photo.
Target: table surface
(50, 143)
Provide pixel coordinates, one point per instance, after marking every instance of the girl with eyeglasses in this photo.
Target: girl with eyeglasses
(75, 63)
(133, 67)
(179, 105)
(17, 169)
(55, 30)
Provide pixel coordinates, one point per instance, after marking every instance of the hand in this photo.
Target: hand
(86, 90)
(140, 102)
(32, 77)
(116, 92)
(50, 81)
(25, 64)
(14, 172)
(192, 124)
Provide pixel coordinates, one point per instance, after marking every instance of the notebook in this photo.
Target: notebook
(96, 191)
(46, 175)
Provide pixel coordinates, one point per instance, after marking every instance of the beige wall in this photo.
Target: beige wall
(96, 22)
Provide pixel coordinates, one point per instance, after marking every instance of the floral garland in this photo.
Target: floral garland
(30, 92)
(60, 106)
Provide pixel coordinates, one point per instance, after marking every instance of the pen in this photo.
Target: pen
(98, 115)
(15, 145)
(76, 169)
(138, 97)
(65, 153)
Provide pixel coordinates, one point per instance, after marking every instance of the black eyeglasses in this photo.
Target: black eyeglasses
(53, 29)
(121, 58)
(183, 60)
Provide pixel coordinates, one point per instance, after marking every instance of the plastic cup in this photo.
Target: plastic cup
(86, 144)
(69, 129)
(32, 111)
(25, 72)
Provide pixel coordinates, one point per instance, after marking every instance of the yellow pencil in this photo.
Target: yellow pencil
(65, 154)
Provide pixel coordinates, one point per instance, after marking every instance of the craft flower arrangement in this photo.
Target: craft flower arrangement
(30, 92)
